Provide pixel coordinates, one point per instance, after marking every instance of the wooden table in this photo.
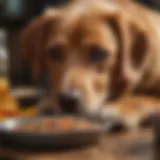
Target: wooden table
(136, 145)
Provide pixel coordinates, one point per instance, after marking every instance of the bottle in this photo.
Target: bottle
(13, 8)
(4, 57)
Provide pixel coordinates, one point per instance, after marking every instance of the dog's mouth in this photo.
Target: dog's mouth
(70, 108)
(69, 104)
(80, 110)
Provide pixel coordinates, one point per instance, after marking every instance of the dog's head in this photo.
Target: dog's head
(89, 50)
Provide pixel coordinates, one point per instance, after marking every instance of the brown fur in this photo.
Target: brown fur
(125, 29)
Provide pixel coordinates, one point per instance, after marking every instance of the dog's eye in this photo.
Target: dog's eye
(56, 54)
(97, 54)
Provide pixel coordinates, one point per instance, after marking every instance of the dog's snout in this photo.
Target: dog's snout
(69, 102)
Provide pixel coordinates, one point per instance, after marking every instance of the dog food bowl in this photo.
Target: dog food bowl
(13, 132)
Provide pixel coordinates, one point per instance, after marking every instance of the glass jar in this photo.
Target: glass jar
(4, 56)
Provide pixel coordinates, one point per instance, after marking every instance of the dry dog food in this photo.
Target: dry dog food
(54, 124)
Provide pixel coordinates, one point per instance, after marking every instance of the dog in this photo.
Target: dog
(102, 58)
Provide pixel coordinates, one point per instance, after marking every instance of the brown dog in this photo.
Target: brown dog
(97, 50)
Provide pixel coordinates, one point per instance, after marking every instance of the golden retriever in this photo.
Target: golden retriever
(102, 58)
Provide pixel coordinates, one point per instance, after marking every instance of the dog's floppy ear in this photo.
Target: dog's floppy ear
(133, 47)
(33, 41)
(136, 50)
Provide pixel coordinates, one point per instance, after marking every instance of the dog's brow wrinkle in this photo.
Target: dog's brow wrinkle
(88, 42)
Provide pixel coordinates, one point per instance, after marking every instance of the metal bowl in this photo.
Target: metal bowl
(57, 139)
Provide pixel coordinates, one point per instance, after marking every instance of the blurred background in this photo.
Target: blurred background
(14, 15)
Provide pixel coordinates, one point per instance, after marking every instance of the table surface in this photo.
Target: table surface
(137, 145)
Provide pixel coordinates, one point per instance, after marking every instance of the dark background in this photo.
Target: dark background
(14, 15)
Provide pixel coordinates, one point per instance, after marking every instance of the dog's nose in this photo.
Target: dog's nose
(69, 102)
